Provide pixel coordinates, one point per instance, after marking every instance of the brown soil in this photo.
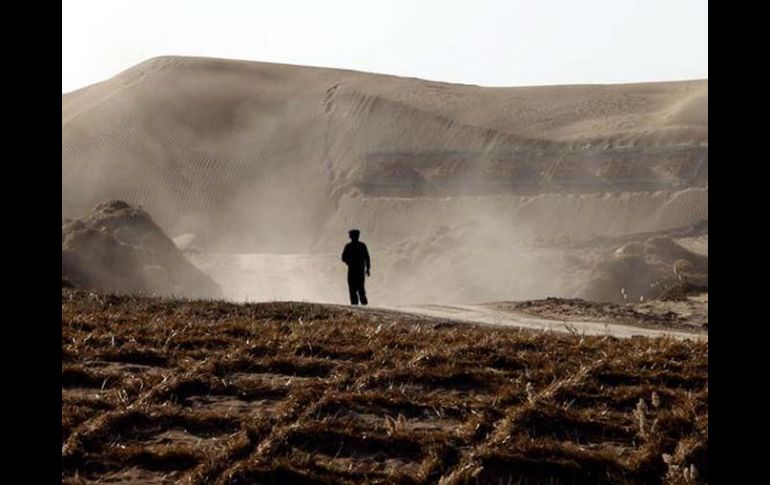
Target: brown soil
(681, 309)
(161, 391)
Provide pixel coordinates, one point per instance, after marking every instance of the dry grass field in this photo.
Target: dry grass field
(162, 390)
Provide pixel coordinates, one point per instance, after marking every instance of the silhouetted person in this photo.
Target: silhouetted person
(356, 256)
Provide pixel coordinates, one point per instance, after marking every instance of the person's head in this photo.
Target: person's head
(354, 234)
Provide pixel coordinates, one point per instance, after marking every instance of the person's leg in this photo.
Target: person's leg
(362, 291)
(352, 290)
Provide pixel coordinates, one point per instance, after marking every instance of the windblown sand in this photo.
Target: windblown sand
(249, 157)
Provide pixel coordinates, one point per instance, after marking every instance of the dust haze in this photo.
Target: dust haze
(462, 193)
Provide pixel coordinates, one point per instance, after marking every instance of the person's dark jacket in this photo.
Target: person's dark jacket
(356, 256)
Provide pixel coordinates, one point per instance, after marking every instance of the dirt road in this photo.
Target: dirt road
(319, 278)
(478, 314)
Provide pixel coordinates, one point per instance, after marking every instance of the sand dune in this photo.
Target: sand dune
(216, 146)
(249, 157)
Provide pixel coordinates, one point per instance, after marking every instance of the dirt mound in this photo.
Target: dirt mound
(119, 248)
(645, 270)
(683, 292)
(683, 307)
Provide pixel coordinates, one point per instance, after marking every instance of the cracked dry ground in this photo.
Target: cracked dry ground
(162, 391)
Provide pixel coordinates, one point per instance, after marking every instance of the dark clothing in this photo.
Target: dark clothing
(356, 286)
(356, 256)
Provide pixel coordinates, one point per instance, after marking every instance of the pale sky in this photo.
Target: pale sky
(485, 42)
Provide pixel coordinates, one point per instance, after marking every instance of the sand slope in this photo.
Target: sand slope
(266, 157)
(119, 248)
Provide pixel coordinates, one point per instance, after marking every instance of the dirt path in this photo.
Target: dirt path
(483, 315)
(269, 277)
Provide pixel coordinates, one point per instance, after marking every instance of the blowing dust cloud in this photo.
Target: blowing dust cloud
(462, 193)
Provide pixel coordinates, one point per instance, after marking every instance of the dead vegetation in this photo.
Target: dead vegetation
(683, 308)
(162, 391)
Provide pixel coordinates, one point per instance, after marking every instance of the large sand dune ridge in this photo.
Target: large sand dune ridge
(455, 187)
(262, 156)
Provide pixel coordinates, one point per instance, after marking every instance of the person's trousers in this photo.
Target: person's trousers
(356, 287)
